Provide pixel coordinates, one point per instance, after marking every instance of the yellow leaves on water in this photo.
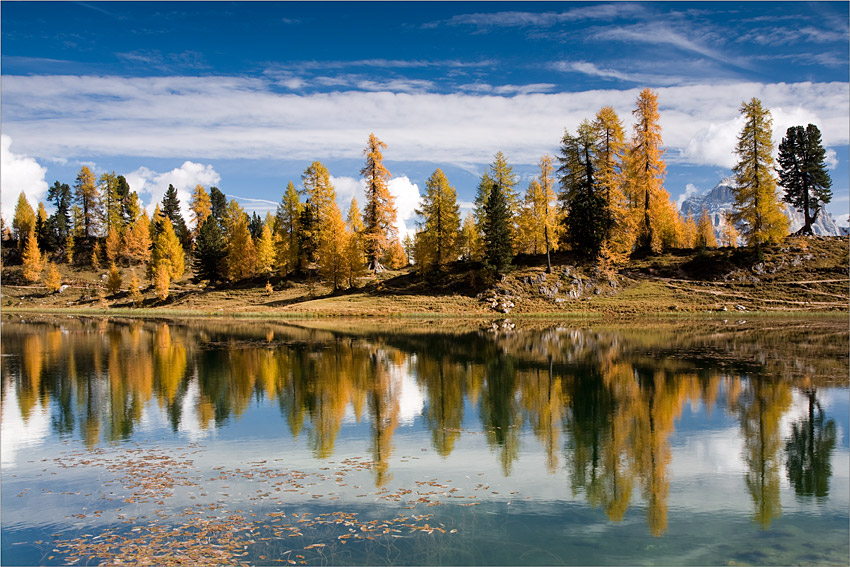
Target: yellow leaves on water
(208, 534)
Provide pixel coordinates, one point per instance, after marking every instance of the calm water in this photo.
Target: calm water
(150, 442)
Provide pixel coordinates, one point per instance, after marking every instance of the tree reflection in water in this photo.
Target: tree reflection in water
(607, 399)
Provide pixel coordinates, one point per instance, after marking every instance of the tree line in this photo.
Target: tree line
(610, 203)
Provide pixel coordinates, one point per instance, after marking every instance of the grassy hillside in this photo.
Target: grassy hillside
(799, 275)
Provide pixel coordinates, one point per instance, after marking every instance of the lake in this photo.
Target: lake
(717, 442)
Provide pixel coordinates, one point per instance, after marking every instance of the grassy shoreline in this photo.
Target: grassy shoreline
(801, 277)
(177, 314)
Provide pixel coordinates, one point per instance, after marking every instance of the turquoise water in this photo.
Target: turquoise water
(162, 442)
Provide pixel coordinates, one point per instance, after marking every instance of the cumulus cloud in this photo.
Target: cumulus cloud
(151, 185)
(406, 200)
(831, 158)
(19, 173)
(233, 118)
(405, 192)
(346, 188)
(715, 143)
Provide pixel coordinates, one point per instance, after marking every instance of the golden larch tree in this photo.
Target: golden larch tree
(241, 256)
(136, 243)
(333, 245)
(52, 279)
(167, 254)
(756, 203)
(355, 253)
(200, 207)
(265, 250)
(705, 237)
(32, 258)
(88, 198)
(440, 223)
(379, 215)
(23, 221)
(645, 171)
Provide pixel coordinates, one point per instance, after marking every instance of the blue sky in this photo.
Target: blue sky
(246, 95)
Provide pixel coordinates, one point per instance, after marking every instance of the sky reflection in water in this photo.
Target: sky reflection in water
(676, 443)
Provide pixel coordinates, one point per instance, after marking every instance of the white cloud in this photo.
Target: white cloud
(19, 173)
(843, 220)
(346, 188)
(406, 200)
(20, 433)
(714, 144)
(151, 186)
(231, 117)
(831, 158)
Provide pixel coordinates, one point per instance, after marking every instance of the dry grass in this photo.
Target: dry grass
(800, 275)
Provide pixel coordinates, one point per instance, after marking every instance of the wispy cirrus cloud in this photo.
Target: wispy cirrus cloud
(156, 59)
(684, 38)
(486, 21)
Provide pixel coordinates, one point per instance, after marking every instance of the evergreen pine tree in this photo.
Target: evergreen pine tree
(46, 241)
(129, 201)
(803, 173)
(218, 204)
(210, 251)
(308, 236)
(171, 211)
(582, 198)
(756, 203)
(62, 198)
(498, 242)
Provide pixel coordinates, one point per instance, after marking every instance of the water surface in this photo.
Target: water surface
(717, 443)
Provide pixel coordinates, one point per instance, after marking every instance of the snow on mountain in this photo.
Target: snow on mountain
(720, 200)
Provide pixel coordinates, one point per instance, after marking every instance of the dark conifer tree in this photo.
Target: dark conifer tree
(122, 190)
(498, 243)
(218, 204)
(582, 197)
(255, 227)
(308, 241)
(62, 198)
(210, 251)
(803, 173)
(171, 210)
